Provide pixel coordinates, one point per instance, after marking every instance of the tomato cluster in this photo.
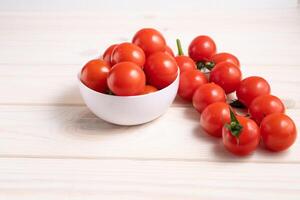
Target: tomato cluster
(139, 67)
(148, 64)
(209, 78)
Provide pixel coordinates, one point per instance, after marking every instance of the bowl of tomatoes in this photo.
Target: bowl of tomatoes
(133, 82)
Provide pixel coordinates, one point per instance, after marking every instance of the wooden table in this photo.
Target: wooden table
(53, 147)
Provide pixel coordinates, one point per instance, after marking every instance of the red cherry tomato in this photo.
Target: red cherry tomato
(207, 94)
(278, 132)
(189, 81)
(213, 118)
(107, 54)
(126, 79)
(94, 75)
(149, 89)
(250, 88)
(241, 141)
(226, 75)
(160, 69)
(185, 63)
(150, 40)
(264, 105)
(221, 57)
(128, 52)
(202, 48)
(169, 51)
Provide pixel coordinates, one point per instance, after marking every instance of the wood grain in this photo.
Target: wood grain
(125, 179)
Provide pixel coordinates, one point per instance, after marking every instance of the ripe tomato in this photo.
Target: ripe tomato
(185, 63)
(126, 79)
(128, 52)
(150, 40)
(107, 54)
(202, 48)
(94, 75)
(250, 88)
(169, 51)
(207, 94)
(149, 89)
(189, 81)
(221, 57)
(226, 75)
(213, 118)
(264, 105)
(278, 132)
(241, 137)
(161, 69)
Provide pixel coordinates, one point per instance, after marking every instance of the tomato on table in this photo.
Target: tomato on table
(207, 94)
(224, 57)
(160, 69)
(128, 52)
(189, 81)
(126, 79)
(250, 88)
(150, 40)
(241, 136)
(226, 75)
(278, 132)
(94, 75)
(265, 105)
(184, 62)
(149, 89)
(214, 117)
(107, 54)
(202, 48)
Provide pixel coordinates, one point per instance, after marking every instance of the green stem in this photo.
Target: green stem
(234, 127)
(180, 52)
(209, 65)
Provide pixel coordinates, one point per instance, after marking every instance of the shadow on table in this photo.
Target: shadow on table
(77, 119)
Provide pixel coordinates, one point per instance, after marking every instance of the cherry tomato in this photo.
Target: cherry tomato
(241, 137)
(189, 81)
(264, 105)
(150, 40)
(221, 57)
(207, 94)
(213, 118)
(94, 75)
(278, 132)
(126, 79)
(250, 88)
(160, 69)
(128, 52)
(107, 54)
(226, 75)
(185, 63)
(202, 48)
(149, 89)
(169, 51)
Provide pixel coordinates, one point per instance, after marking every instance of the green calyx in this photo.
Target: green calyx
(201, 65)
(234, 126)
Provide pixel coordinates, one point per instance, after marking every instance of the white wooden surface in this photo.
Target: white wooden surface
(52, 147)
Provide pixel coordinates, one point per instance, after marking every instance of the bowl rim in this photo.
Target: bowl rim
(128, 97)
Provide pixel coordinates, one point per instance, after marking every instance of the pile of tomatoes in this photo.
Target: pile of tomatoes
(139, 67)
(148, 64)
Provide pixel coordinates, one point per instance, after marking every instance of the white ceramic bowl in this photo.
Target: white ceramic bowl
(131, 110)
